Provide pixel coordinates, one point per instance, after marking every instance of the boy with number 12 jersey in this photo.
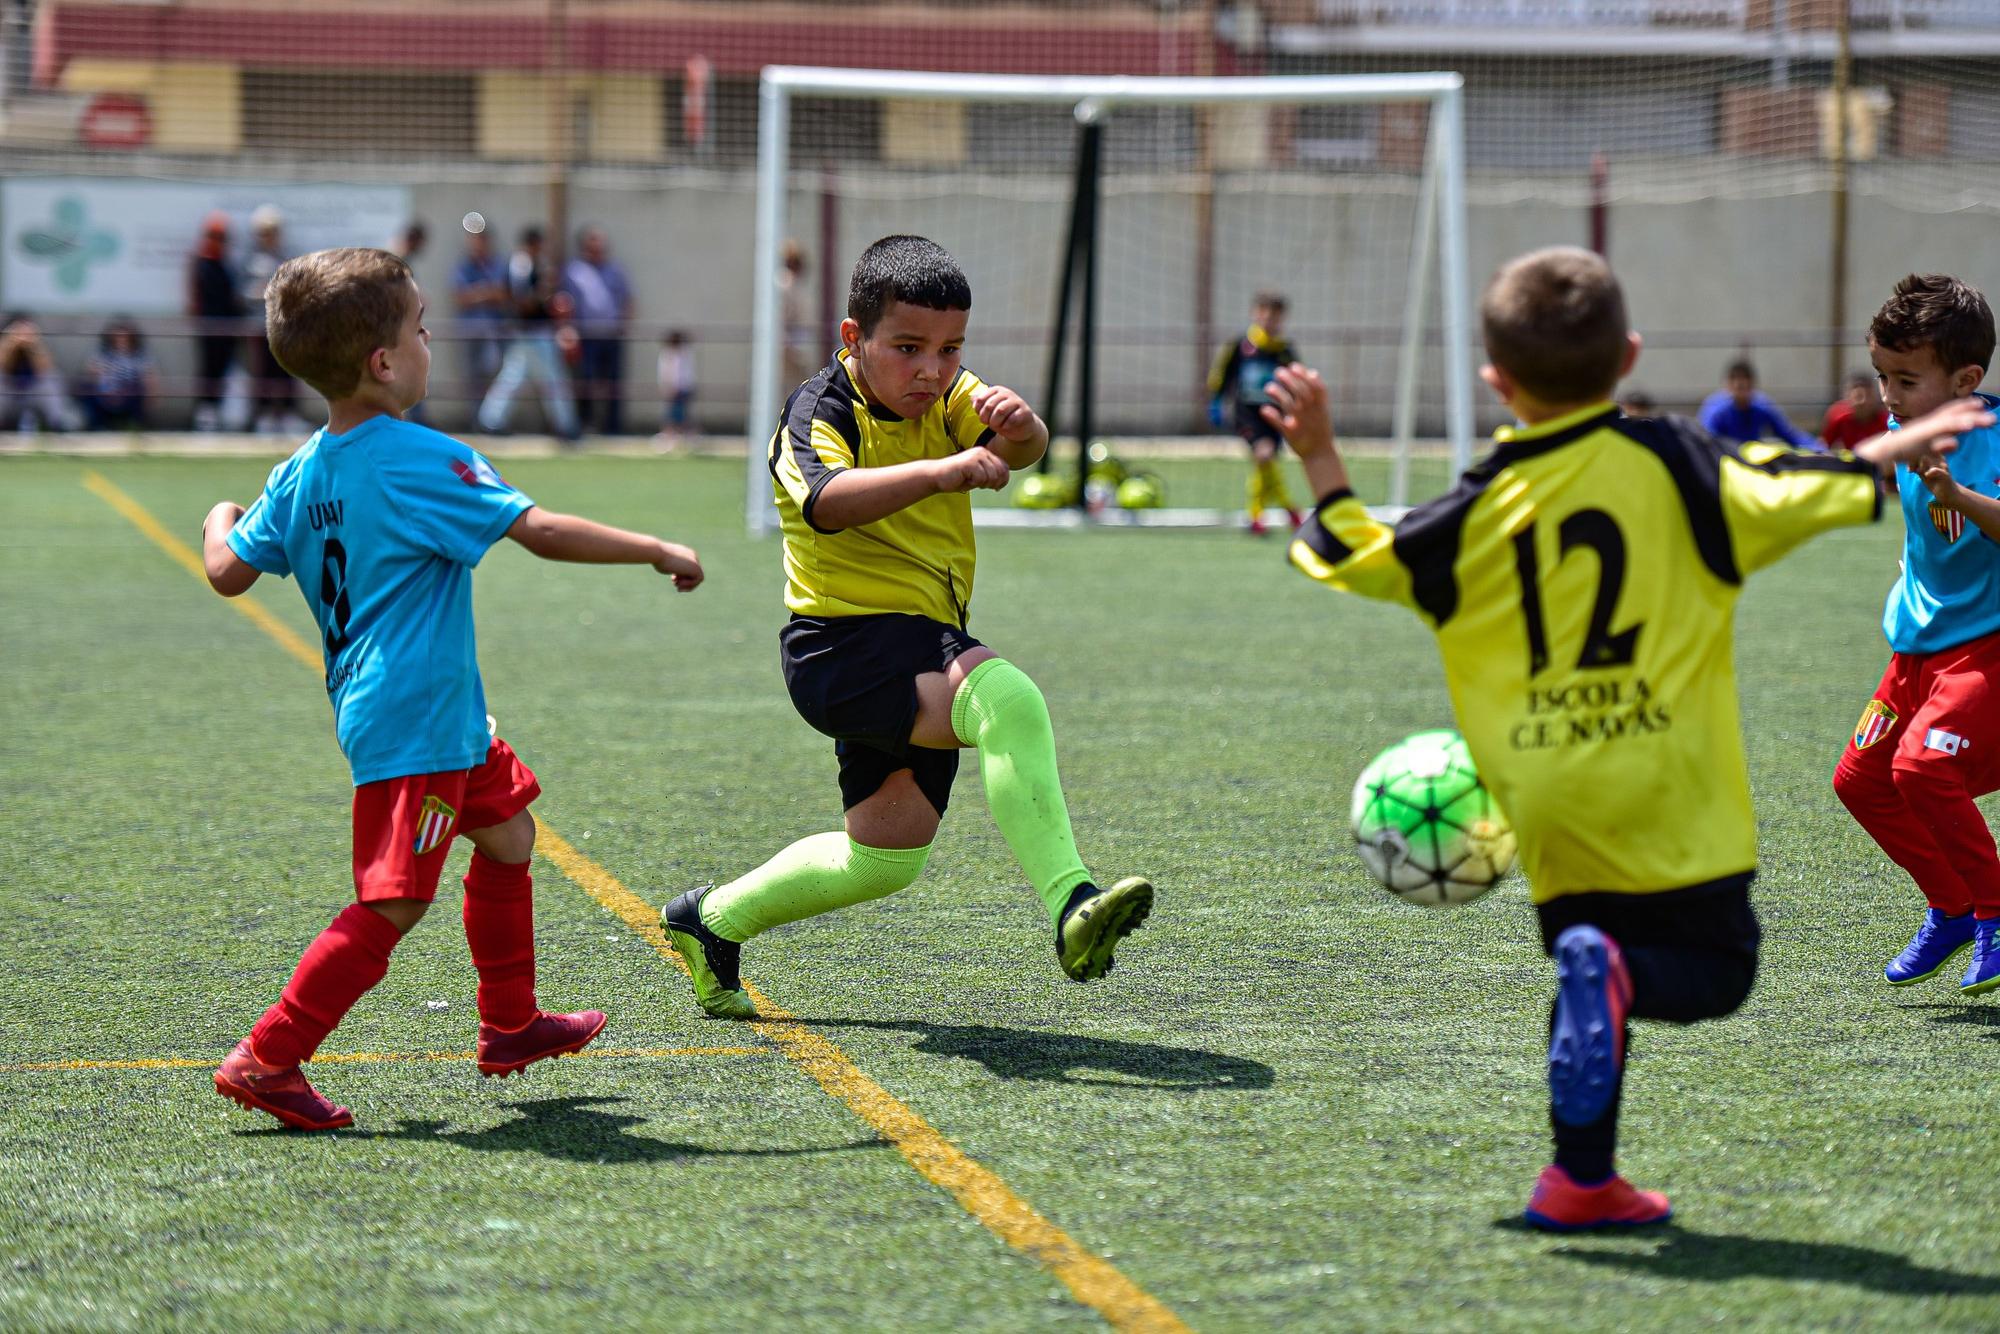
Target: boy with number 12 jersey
(1581, 581)
(382, 521)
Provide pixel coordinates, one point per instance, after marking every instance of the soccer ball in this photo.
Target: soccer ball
(1426, 826)
(1140, 491)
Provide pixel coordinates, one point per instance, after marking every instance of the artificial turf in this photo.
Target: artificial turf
(1297, 1103)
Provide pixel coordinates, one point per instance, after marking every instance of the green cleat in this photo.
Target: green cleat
(1094, 923)
(712, 962)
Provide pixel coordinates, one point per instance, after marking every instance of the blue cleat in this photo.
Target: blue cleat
(1984, 974)
(1587, 1039)
(1935, 945)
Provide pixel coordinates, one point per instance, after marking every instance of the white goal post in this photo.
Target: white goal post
(1438, 242)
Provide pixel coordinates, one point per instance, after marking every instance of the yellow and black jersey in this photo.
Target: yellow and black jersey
(917, 561)
(1245, 367)
(1582, 580)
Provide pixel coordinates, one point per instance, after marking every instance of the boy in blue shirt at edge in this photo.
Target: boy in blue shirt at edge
(1929, 740)
(383, 521)
(1740, 412)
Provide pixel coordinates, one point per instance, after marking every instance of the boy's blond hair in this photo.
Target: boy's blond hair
(1554, 321)
(326, 313)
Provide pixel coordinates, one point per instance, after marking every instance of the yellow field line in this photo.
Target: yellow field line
(183, 555)
(380, 1057)
(1093, 1282)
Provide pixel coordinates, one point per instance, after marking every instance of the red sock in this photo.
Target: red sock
(500, 928)
(348, 958)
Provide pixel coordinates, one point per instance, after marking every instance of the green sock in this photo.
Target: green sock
(813, 876)
(999, 710)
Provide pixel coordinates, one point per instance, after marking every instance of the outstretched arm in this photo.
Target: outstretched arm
(566, 537)
(1299, 408)
(1932, 435)
(228, 573)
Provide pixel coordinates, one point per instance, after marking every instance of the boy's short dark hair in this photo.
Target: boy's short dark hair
(1740, 369)
(909, 269)
(1554, 321)
(1938, 311)
(326, 312)
(1638, 403)
(1269, 301)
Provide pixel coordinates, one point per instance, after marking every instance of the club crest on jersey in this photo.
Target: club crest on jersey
(476, 473)
(1949, 523)
(434, 823)
(1876, 720)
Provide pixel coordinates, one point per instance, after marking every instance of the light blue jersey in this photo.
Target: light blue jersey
(1950, 589)
(383, 526)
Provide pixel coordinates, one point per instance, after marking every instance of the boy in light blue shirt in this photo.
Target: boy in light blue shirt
(382, 521)
(1928, 742)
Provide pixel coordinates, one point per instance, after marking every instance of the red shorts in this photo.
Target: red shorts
(1938, 711)
(403, 827)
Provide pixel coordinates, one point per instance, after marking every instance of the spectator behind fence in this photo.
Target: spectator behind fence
(676, 385)
(1858, 415)
(531, 349)
(1635, 402)
(121, 381)
(410, 242)
(1739, 412)
(805, 350)
(479, 291)
(273, 394)
(31, 388)
(602, 294)
(212, 299)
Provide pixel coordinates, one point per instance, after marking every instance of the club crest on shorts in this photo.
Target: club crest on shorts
(434, 824)
(1949, 523)
(1876, 720)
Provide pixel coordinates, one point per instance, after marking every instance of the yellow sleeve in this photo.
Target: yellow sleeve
(961, 420)
(1774, 498)
(1345, 547)
(1224, 366)
(804, 457)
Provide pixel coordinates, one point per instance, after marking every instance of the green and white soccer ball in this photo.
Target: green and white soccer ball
(1425, 825)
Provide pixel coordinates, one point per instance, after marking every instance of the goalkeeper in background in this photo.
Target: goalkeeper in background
(1581, 580)
(1236, 385)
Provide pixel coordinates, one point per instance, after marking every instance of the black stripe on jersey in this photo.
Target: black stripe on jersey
(1693, 458)
(827, 397)
(1427, 541)
(957, 444)
(1315, 535)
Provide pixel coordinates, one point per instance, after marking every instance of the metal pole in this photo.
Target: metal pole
(1416, 302)
(561, 132)
(1066, 290)
(1455, 276)
(1836, 314)
(1086, 351)
(766, 338)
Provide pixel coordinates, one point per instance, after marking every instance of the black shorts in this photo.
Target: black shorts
(1715, 917)
(855, 679)
(1250, 424)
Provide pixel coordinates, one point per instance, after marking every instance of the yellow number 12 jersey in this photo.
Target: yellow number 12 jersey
(1582, 580)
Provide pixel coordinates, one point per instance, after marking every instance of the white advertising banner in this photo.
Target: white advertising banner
(82, 245)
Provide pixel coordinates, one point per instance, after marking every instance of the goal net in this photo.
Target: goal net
(1345, 194)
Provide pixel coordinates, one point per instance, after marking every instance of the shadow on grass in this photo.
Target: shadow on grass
(1719, 1257)
(1976, 1013)
(572, 1129)
(1061, 1058)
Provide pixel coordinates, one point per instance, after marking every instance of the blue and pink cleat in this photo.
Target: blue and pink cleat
(1559, 1204)
(1587, 1039)
(1937, 942)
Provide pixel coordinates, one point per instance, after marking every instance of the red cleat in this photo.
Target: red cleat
(545, 1035)
(1560, 1205)
(1298, 519)
(1257, 528)
(283, 1092)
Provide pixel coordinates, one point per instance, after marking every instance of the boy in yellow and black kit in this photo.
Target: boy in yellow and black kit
(1242, 371)
(1581, 581)
(872, 465)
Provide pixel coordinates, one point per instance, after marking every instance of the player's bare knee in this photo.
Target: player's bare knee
(510, 841)
(402, 914)
(897, 816)
(961, 666)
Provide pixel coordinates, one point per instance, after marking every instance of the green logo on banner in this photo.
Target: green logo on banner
(69, 244)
